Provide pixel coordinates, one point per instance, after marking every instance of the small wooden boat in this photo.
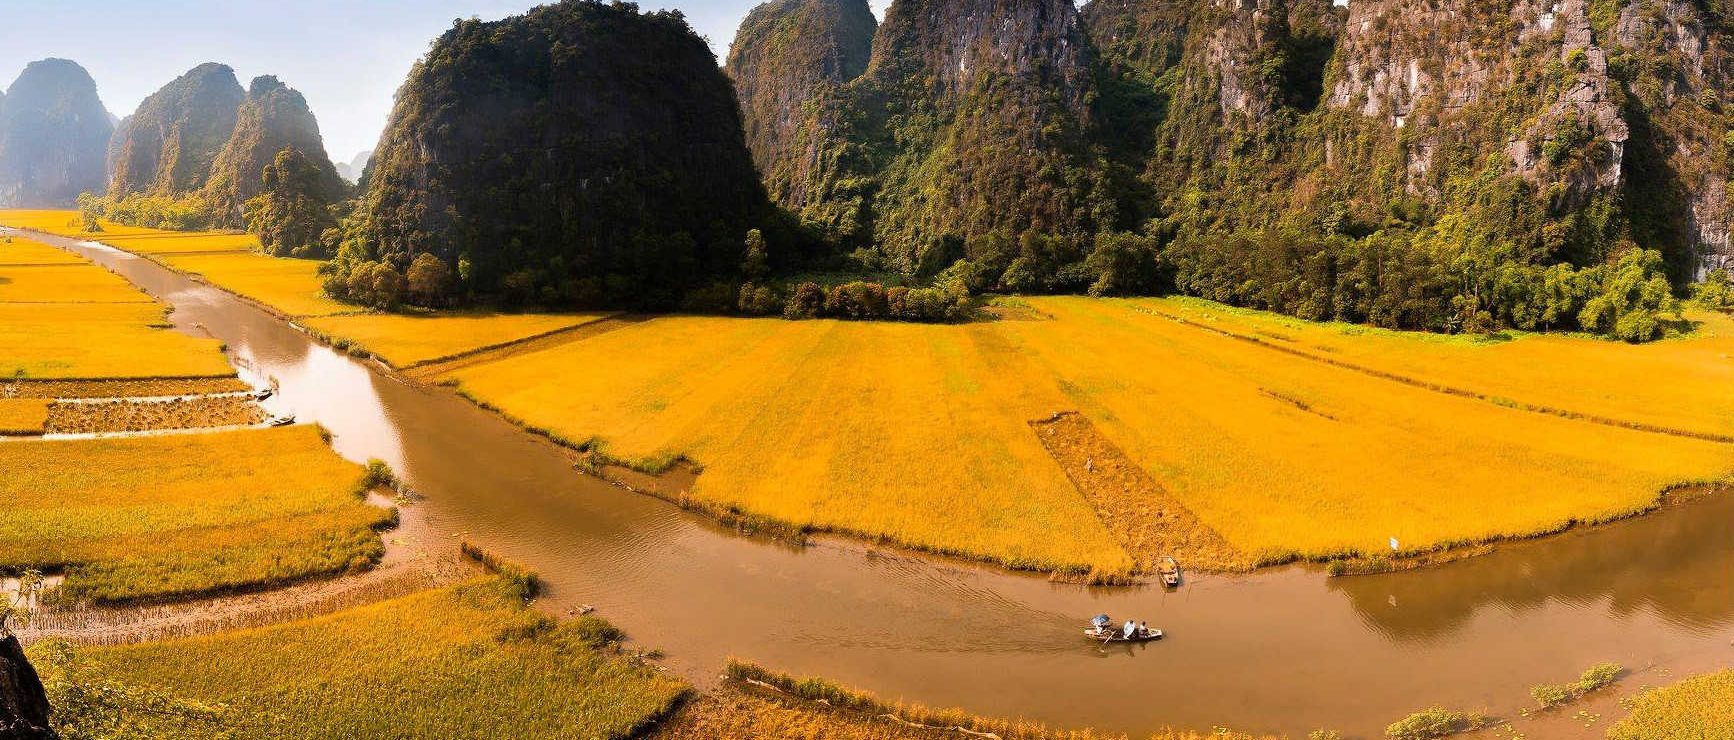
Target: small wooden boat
(1119, 636)
(263, 394)
(1170, 572)
(281, 421)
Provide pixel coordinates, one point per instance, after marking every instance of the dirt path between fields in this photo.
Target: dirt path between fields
(416, 558)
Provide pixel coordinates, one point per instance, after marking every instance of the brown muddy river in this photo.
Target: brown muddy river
(1288, 650)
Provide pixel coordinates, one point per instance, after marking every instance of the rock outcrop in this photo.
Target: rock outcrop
(272, 118)
(789, 62)
(972, 121)
(53, 133)
(168, 145)
(580, 154)
(23, 704)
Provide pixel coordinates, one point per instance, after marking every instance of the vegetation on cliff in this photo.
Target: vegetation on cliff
(579, 154)
(167, 146)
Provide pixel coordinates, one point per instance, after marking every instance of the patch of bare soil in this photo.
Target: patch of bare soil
(131, 415)
(416, 558)
(1147, 520)
(120, 387)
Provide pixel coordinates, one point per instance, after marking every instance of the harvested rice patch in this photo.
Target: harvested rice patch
(466, 661)
(23, 416)
(174, 516)
(1532, 369)
(1149, 522)
(94, 417)
(289, 286)
(407, 340)
(78, 283)
(121, 388)
(101, 340)
(17, 251)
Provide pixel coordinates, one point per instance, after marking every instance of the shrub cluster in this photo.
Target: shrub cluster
(858, 300)
(1597, 676)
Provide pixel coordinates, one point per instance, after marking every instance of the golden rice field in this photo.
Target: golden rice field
(1700, 708)
(62, 223)
(23, 416)
(17, 251)
(287, 285)
(79, 320)
(912, 432)
(57, 284)
(1534, 369)
(406, 340)
(180, 515)
(920, 434)
(443, 663)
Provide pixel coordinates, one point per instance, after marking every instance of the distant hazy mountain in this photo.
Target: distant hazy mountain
(53, 136)
(353, 169)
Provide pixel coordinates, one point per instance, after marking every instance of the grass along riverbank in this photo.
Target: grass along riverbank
(463, 661)
(1700, 708)
(177, 516)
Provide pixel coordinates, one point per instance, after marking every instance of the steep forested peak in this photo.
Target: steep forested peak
(580, 153)
(53, 129)
(789, 61)
(167, 146)
(273, 117)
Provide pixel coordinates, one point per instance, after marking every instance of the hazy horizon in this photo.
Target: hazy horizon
(348, 57)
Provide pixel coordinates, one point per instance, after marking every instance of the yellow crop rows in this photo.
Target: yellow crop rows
(1578, 374)
(177, 515)
(919, 433)
(441, 663)
(1700, 708)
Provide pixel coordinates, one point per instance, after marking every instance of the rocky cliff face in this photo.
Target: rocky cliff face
(168, 145)
(789, 62)
(53, 130)
(582, 153)
(272, 118)
(973, 120)
(23, 705)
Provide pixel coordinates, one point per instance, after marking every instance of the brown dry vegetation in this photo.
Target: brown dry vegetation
(119, 387)
(87, 417)
(1149, 522)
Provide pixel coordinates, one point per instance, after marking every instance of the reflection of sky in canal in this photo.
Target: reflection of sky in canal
(1284, 651)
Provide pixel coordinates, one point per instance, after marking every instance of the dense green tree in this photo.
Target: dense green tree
(292, 210)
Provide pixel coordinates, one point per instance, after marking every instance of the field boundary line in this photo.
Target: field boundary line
(429, 369)
(1449, 390)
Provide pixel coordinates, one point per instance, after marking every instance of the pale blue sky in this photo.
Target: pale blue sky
(346, 56)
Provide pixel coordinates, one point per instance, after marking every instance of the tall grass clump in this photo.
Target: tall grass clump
(1595, 677)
